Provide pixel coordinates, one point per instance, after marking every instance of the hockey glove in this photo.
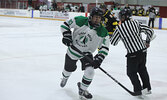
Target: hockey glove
(67, 38)
(98, 59)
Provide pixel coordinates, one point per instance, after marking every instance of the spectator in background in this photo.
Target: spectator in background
(45, 7)
(134, 11)
(29, 3)
(61, 8)
(115, 6)
(152, 9)
(148, 11)
(157, 13)
(127, 6)
(68, 7)
(81, 8)
(37, 7)
(152, 16)
(111, 8)
(119, 7)
(41, 7)
(141, 11)
(54, 5)
(74, 8)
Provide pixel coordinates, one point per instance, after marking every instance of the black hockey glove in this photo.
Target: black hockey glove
(67, 38)
(98, 59)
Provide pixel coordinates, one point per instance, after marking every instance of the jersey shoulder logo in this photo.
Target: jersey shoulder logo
(70, 22)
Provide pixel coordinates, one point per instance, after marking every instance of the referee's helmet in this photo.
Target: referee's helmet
(103, 6)
(125, 14)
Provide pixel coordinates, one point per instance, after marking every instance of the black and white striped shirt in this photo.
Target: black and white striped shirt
(130, 34)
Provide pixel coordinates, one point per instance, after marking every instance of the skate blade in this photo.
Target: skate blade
(83, 98)
(146, 92)
(140, 97)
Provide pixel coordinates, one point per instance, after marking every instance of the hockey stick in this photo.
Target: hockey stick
(154, 36)
(91, 61)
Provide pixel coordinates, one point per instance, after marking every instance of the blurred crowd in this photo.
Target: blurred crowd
(143, 12)
(136, 10)
(54, 7)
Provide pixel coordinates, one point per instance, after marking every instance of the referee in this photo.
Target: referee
(129, 31)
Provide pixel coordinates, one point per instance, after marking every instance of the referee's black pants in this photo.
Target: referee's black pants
(136, 65)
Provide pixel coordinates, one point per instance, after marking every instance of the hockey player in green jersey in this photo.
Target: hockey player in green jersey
(87, 36)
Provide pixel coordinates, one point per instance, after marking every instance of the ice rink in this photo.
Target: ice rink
(32, 59)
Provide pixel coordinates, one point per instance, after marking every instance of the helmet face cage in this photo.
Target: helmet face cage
(95, 11)
(125, 14)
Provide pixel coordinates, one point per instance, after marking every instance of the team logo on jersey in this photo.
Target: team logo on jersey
(83, 39)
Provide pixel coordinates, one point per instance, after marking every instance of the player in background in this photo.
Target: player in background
(130, 33)
(134, 11)
(88, 35)
(141, 11)
(109, 21)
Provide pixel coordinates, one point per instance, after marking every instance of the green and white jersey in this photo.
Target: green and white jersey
(85, 37)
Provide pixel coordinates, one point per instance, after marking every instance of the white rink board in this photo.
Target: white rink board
(66, 15)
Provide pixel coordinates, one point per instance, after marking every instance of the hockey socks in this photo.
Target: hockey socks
(83, 94)
(87, 78)
(86, 81)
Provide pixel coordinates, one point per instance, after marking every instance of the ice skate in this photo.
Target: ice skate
(146, 91)
(140, 96)
(63, 82)
(83, 94)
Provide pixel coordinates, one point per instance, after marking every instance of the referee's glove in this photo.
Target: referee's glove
(147, 45)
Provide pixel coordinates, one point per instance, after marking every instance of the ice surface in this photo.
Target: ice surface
(32, 59)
